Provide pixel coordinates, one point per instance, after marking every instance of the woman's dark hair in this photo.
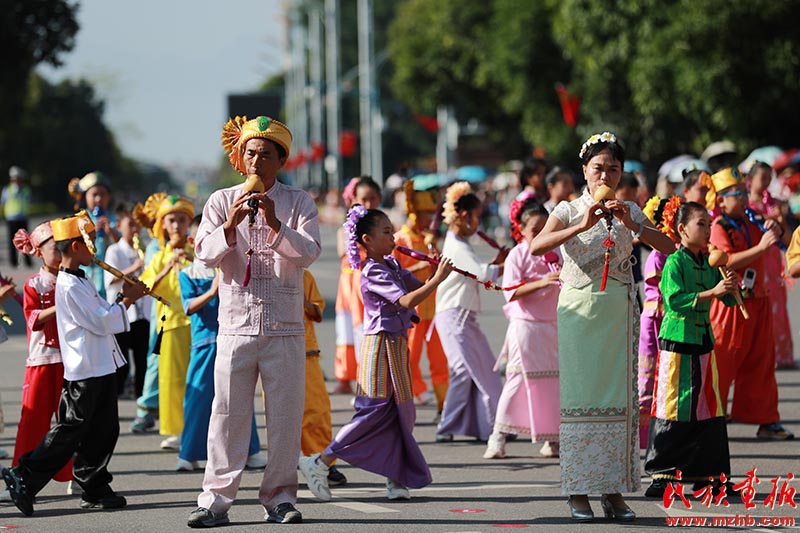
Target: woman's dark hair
(198, 218)
(628, 180)
(531, 166)
(685, 213)
(616, 149)
(468, 202)
(368, 222)
(530, 208)
(691, 177)
(558, 174)
(64, 246)
(367, 181)
(758, 165)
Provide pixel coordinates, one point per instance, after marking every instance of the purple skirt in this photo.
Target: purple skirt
(379, 438)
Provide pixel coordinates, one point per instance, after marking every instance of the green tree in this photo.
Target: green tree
(31, 32)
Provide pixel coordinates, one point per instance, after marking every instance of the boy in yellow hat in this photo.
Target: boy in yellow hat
(89, 425)
(745, 348)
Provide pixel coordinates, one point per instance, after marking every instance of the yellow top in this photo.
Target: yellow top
(793, 253)
(311, 294)
(168, 288)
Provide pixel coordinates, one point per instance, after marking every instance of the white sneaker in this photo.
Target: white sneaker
(426, 398)
(171, 443)
(5, 496)
(495, 447)
(549, 449)
(396, 491)
(256, 461)
(72, 488)
(316, 473)
(185, 466)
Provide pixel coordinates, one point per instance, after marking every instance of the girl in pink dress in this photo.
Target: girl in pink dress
(529, 403)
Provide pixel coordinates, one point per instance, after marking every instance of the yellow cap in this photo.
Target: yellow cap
(417, 201)
(239, 130)
(727, 177)
(68, 228)
(157, 206)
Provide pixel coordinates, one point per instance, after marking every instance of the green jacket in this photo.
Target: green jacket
(685, 319)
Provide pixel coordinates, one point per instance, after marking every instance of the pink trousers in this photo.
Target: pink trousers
(280, 361)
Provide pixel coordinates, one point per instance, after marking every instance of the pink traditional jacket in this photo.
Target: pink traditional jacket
(272, 302)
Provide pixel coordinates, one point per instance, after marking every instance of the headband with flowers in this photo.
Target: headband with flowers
(513, 214)
(29, 243)
(451, 197)
(356, 213)
(668, 217)
(605, 137)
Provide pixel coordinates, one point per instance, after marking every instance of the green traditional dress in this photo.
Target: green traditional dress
(598, 334)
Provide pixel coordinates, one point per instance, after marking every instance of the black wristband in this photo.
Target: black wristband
(120, 297)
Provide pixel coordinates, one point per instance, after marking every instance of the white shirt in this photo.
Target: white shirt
(121, 255)
(458, 291)
(86, 328)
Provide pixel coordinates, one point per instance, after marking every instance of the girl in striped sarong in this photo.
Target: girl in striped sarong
(688, 440)
(380, 437)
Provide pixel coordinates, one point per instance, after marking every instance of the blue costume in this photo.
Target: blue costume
(195, 280)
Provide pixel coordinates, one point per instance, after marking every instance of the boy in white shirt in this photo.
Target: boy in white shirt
(128, 258)
(88, 424)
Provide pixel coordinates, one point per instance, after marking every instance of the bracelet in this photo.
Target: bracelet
(119, 298)
(638, 233)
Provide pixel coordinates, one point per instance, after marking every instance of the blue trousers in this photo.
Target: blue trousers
(197, 406)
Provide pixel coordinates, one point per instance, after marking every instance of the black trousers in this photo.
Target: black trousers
(13, 226)
(137, 340)
(88, 428)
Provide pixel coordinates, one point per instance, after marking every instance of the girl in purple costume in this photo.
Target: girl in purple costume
(380, 437)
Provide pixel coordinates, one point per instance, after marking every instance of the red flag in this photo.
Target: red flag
(429, 123)
(570, 104)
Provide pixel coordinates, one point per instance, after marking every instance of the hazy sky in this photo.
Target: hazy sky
(164, 68)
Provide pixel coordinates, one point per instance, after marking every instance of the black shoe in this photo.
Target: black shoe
(285, 513)
(656, 489)
(335, 478)
(202, 517)
(18, 491)
(112, 501)
(444, 437)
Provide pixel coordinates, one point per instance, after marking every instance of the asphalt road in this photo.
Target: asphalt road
(469, 494)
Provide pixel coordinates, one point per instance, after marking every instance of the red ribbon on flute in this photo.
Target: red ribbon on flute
(419, 256)
(602, 194)
(491, 242)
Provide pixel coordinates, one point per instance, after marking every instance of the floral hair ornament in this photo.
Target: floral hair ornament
(605, 137)
(29, 243)
(356, 213)
(668, 217)
(349, 192)
(513, 214)
(451, 198)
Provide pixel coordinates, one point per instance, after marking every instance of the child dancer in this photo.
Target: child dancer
(169, 217)
(198, 287)
(93, 193)
(379, 438)
(474, 386)
(422, 207)
(317, 429)
(88, 424)
(129, 259)
(652, 316)
(745, 348)
(560, 186)
(761, 202)
(349, 309)
(529, 403)
(687, 428)
(44, 371)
